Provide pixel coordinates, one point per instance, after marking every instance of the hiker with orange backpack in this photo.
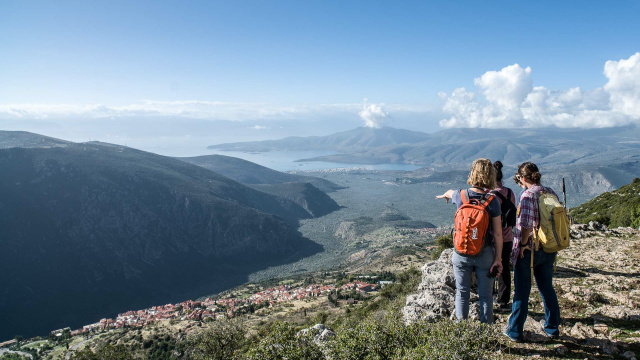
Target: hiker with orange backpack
(477, 239)
(541, 230)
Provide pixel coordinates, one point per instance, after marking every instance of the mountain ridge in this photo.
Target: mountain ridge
(355, 139)
(105, 227)
(246, 172)
(550, 145)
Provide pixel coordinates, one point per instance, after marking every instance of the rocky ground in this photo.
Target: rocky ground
(598, 284)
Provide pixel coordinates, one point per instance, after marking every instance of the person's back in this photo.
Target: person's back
(527, 260)
(504, 281)
(489, 258)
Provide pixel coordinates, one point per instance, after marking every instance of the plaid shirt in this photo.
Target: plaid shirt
(528, 217)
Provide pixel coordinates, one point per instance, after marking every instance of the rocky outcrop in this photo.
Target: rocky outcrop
(436, 292)
(319, 332)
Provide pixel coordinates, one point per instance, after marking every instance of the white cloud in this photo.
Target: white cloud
(624, 84)
(258, 127)
(372, 114)
(210, 110)
(507, 98)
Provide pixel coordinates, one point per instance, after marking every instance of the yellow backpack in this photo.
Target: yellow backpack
(553, 234)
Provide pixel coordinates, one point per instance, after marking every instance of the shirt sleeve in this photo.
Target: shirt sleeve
(494, 209)
(456, 198)
(526, 212)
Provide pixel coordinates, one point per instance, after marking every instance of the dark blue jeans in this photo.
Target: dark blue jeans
(543, 273)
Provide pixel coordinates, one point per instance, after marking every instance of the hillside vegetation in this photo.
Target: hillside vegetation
(616, 208)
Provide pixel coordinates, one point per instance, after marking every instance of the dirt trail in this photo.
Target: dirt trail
(598, 286)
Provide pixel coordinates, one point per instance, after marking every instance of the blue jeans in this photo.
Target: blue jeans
(463, 266)
(543, 273)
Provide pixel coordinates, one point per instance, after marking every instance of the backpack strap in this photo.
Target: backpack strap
(464, 195)
(486, 200)
(497, 193)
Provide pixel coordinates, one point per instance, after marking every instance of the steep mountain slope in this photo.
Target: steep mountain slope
(309, 197)
(616, 208)
(90, 229)
(351, 140)
(246, 172)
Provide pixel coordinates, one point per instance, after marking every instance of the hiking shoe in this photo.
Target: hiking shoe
(552, 337)
(510, 338)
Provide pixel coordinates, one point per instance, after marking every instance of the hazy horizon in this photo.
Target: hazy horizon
(163, 75)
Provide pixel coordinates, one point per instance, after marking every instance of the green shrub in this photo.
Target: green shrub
(442, 243)
(12, 356)
(369, 339)
(107, 352)
(283, 342)
(222, 340)
(447, 339)
(391, 339)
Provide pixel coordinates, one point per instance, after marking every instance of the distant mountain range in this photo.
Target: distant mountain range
(359, 139)
(90, 229)
(462, 146)
(591, 160)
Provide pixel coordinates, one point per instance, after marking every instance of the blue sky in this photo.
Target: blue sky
(287, 53)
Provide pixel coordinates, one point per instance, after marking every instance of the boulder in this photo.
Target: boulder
(596, 226)
(436, 293)
(320, 333)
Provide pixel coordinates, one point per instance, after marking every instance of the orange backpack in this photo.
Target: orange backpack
(471, 224)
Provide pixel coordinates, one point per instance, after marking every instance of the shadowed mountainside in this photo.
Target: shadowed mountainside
(310, 198)
(92, 229)
(246, 172)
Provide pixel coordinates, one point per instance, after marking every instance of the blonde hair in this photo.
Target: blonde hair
(482, 174)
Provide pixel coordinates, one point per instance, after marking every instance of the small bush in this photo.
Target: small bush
(107, 352)
(443, 242)
(283, 342)
(12, 356)
(391, 339)
(370, 339)
(447, 339)
(222, 340)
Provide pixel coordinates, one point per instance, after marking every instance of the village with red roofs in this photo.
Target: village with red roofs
(228, 306)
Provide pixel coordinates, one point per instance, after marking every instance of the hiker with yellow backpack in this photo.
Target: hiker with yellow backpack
(542, 229)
